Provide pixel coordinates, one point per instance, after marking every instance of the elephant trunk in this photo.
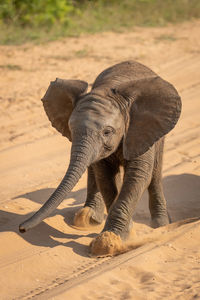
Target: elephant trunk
(82, 155)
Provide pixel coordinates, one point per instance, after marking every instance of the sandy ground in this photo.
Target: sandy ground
(52, 261)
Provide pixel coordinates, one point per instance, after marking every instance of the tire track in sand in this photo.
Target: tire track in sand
(90, 270)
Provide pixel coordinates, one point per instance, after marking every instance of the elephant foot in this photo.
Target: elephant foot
(86, 217)
(159, 221)
(106, 244)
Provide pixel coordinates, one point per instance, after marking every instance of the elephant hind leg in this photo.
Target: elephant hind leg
(157, 202)
(108, 178)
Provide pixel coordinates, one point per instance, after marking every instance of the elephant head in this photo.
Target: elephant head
(132, 114)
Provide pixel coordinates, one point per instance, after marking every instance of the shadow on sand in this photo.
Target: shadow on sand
(45, 235)
(181, 191)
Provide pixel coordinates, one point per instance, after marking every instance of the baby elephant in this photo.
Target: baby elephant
(117, 132)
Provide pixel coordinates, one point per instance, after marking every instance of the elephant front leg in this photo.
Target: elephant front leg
(119, 222)
(93, 211)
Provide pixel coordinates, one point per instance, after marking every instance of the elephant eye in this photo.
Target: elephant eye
(108, 131)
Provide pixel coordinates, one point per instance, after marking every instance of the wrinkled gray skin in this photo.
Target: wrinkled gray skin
(118, 127)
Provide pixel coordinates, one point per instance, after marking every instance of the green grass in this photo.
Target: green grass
(81, 53)
(166, 37)
(101, 15)
(10, 67)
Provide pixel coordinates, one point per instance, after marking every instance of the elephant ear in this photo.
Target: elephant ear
(59, 101)
(154, 107)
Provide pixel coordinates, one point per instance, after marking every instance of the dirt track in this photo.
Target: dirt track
(52, 261)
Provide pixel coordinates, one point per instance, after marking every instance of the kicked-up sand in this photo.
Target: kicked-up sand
(52, 261)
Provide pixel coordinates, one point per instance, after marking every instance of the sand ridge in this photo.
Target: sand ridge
(52, 260)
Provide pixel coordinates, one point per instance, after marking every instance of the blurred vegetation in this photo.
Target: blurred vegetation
(44, 20)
